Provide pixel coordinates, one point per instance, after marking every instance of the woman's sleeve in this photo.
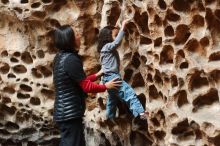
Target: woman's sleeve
(74, 69)
(92, 77)
(90, 87)
(110, 46)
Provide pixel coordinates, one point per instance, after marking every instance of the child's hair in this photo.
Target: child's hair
(105, 36)
(64, 38)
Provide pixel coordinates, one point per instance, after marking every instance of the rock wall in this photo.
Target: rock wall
(170, 56)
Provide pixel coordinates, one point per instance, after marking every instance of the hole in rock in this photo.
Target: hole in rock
(40, 54)
(197, 81)
(35, 5)
(47, 93)
(167, 54)
(206, 99)
(138, 81)
(142, 21)
(181, 5)
(114, 14)
(35, 101)
(25, 88)
(5, 133)
(158, 79)
(6, 100)
(153, 93)
(194, 46)
(25, 80)
(14, 60)
(24, 1)
(174, 81)
(135, 60)
(142, 99)
(138, 139)
(169, 31)
(160, 135)
(158, 42)
(11, 126)
(101, 104)
(45, 71)
(160, 116)
(9, 90)
(180, 55)
(22, 96)
(46, 1)
(8, 110)
(149, 78)
(143, 59)
(4, 53)
(208, 2)
(184, 65)
(181, 127)
(198, 21)
(26, 57)
(162, 4)
(182, 34)
(5, 1)
(216, 140)
(28, 131)
(131, 27)
(214, 56)
(36, 73)
(19, 10)
(39, 14)
(106, 141)
(215, 75)
(145, 40)
(128, 74)
(204, 41)
(171, 16)
(19, 69)
(155, 122)
(157, 20)
(11, 75)
(4, 68)
(217, 13)
(181, 98)
(17, 54)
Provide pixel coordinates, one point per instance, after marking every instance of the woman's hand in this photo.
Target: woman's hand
(113, 84)
(99, 74)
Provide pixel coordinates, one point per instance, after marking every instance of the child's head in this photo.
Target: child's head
(65, 38)
(106, 35)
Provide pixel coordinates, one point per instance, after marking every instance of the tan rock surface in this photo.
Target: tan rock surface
(170, 55)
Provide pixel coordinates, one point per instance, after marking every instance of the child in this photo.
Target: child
(109, 57)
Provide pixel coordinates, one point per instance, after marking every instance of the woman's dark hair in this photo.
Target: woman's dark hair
(64, 38)
(105, 36)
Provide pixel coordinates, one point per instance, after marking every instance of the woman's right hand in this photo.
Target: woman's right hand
(113, 84)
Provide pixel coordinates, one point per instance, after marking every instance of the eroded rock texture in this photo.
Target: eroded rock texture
(170, 56)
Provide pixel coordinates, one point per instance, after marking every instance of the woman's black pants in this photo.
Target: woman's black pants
(72, 132)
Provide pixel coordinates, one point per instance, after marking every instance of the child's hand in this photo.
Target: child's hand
(124, 23)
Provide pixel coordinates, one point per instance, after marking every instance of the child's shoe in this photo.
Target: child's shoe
(144, 115)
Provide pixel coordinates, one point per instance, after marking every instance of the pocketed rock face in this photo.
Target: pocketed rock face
(170, 56)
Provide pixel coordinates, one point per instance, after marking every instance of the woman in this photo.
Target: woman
(71, 86)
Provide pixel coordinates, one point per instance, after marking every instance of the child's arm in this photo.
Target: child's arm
(113, 45)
